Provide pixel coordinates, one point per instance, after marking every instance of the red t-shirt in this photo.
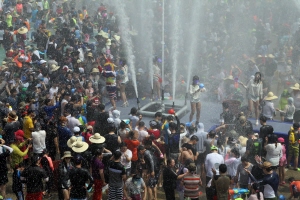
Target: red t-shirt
(132, 146)
(154, 132)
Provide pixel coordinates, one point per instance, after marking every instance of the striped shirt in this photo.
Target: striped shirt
(191, 185)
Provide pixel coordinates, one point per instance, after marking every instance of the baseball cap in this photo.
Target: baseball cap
(43, 61)
(76, 129)
(213, 148)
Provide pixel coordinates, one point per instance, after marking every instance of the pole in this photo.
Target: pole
(163, 51)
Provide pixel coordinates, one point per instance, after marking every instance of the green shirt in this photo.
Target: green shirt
(46, 5)
(9, 20)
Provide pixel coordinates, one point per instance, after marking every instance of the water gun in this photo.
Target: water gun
(188, 124)
(236, 191)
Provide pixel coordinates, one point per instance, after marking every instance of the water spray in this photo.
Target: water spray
(186, 98)
(138, 103)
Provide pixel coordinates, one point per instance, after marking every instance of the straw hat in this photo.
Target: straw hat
(80, 146)
(230, 77)
(71, 141)
(103, 34)
(270, 96)
(13, 116)
(95, 70)
(90, 54)
(271, 56)
(54, 67)
(67, 154)
(295, 87)
(4, 63)
(289, 62)
(117, 38)
(22, 30)
(97, 138)
(108, 42)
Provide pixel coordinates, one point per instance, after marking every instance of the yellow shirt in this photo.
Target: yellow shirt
(27, 125)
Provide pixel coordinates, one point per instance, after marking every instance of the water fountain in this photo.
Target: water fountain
(164, 106)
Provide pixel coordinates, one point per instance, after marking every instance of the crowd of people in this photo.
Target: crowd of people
(58, 133)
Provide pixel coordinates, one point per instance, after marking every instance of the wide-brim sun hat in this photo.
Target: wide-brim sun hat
(230, 77)
(54, 67)
(97, 138)
(95, 70)
(108, 42)
(71, 141)
(67, 154)
(80, 146)
(22, 30)
(270, 96)
(295, 87)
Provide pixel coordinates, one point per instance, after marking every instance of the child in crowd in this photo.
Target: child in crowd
(282, 162)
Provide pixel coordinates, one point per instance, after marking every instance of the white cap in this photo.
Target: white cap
(42, 61)
(76, 129)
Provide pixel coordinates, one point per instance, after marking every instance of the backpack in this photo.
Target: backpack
(292, 138)
(256, 147)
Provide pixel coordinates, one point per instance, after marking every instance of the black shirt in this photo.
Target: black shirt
(34, 176)
(169, 177)
(174, 142)
(116, 171)
(10, 129)
(189, 147)
(78, 178)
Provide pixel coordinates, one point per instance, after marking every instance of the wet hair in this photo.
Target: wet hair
(133, 111)
(244, 159)
(117, 155)
(169, 161)
(291, 179)
(77, 159)
(170, 118)
(101, 106)
(123, 144)
(263, 118)
(272, 139)
(98, 152)
(212, 134)
(259, 80)
(123, 125)
(194, 137)
(47, 101)
(223, 168)
(256, 187)
(225, 105)
(131, 134)
(172, 126)
(34, 160)
(158, 114)
(140, 147)
(141, 124)
(196, 78)
(191, 167)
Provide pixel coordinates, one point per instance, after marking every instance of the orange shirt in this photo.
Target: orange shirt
(132, 146)
(295, 183)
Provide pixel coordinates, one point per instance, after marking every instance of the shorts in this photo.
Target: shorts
(201, 158)
(133, 167)
(4, 178)
(293, 150)
(111, 90)
(195, 100)
(128, 172)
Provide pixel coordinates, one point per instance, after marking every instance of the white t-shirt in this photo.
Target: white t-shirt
(232, 165)
(124, 162)
(273, 153)
(142, 134)
(213, 160)
(38, 141)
